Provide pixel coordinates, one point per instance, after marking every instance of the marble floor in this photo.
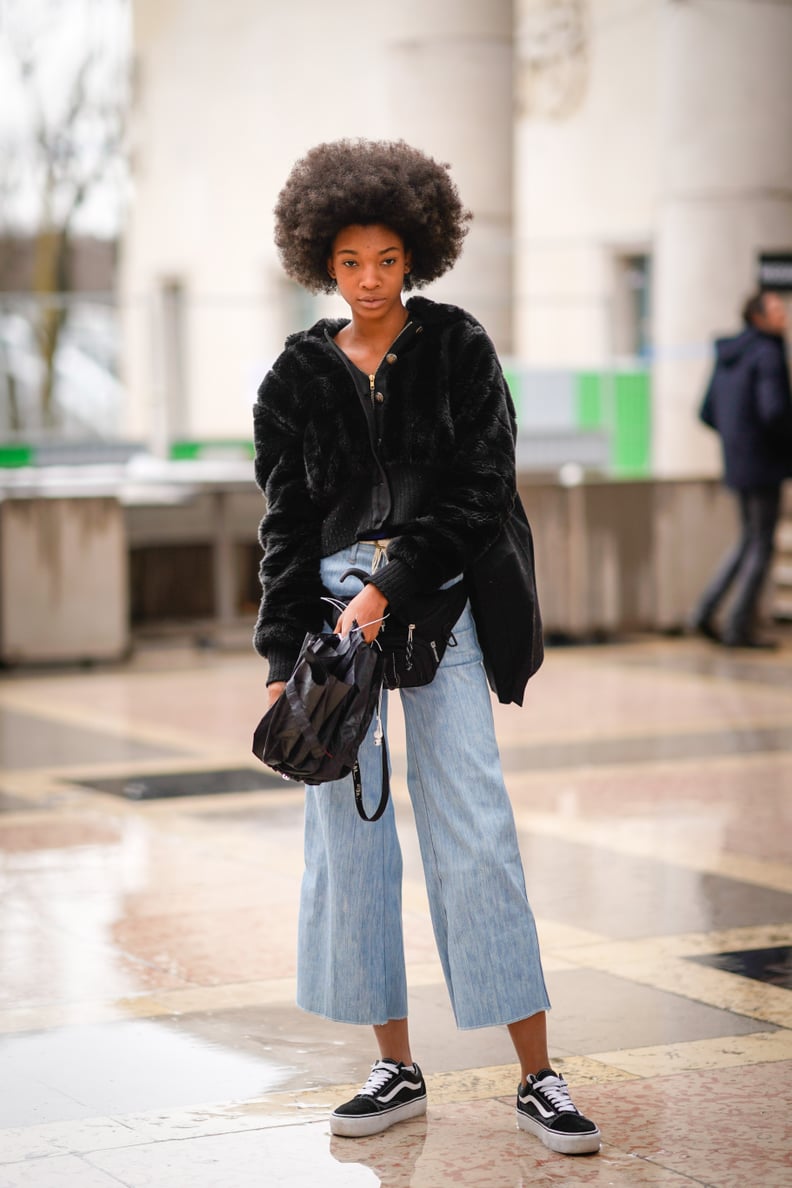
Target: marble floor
(149, 875)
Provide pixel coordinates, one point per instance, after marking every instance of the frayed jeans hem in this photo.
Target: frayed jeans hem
(503, 1022)
(323, 1014)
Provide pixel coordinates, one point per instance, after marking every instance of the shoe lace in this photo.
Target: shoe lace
(556, 1090)
(377, 1079)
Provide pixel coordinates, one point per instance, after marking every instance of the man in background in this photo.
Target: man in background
(748, 404)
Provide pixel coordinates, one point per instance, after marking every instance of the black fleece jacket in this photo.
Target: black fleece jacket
(439, 455)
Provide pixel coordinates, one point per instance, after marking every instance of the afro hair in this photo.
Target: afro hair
(346, 182)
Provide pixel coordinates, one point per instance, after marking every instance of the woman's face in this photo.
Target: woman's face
(369, 264)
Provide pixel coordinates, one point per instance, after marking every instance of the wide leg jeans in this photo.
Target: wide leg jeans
(350, 949)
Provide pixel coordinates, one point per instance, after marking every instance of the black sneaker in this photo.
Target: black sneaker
(392, 1093)
(545, 1108)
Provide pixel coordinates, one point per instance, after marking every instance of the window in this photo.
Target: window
(632, 306)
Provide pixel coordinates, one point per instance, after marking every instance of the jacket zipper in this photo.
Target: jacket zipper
(373, 377)
(374, 444)
(403, 330)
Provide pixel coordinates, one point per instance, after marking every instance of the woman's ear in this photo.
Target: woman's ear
(330, 268)
(407, 263)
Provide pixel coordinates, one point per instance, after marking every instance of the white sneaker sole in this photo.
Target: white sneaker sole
(358, 1126)
(564, 1144)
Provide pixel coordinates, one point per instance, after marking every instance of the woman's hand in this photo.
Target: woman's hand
(274, 691)
(366, 609)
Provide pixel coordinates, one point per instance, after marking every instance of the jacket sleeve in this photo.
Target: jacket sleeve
(289, 532)
(477, 485)
(772, 389)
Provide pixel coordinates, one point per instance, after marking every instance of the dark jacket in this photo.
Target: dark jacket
(444, 466)
(748, 403)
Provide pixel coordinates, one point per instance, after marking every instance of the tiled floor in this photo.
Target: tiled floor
(148, 1035)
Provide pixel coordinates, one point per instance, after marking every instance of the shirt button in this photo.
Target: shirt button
(379, 397)
(390, 358)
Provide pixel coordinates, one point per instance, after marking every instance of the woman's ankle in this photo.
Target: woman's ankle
(393, 1041)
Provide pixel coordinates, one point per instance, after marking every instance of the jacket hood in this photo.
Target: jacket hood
(421, 309)
(730, 351)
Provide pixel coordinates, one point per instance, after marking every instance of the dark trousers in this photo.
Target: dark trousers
(745, 567)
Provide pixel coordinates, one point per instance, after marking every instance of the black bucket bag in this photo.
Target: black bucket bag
(314, 730)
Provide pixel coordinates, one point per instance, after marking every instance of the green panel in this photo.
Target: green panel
(186, 451)
(589, 400)
(16, 455)
(181, 451)
(632, 430)
(513, 380)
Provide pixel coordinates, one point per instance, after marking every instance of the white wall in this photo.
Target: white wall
(586, 181)
(578, 132)
(229, 96)
(680, 145)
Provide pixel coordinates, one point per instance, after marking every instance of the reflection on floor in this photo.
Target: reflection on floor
(766, 965)
(159, 786)
(150, 870)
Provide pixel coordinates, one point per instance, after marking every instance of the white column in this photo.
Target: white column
(450, 94)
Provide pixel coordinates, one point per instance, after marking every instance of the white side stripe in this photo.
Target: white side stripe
(397, 1089)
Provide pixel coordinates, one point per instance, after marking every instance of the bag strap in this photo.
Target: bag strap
(358, 785)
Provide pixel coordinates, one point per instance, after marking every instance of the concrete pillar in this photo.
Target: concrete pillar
(450, 94)
(63, 573)
(725, 99)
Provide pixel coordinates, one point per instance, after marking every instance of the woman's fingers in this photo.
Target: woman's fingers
(366, 609)
(347, 622)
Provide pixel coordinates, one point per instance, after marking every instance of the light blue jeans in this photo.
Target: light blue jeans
(350, 947)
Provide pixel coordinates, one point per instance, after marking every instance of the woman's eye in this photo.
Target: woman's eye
(349, 263)
(390, 260)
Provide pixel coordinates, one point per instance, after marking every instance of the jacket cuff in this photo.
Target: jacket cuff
(396, 581)
(281, 664)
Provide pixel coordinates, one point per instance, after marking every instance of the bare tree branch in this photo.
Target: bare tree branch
(70, 149)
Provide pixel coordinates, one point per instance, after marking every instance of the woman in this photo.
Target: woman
(386, 442)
